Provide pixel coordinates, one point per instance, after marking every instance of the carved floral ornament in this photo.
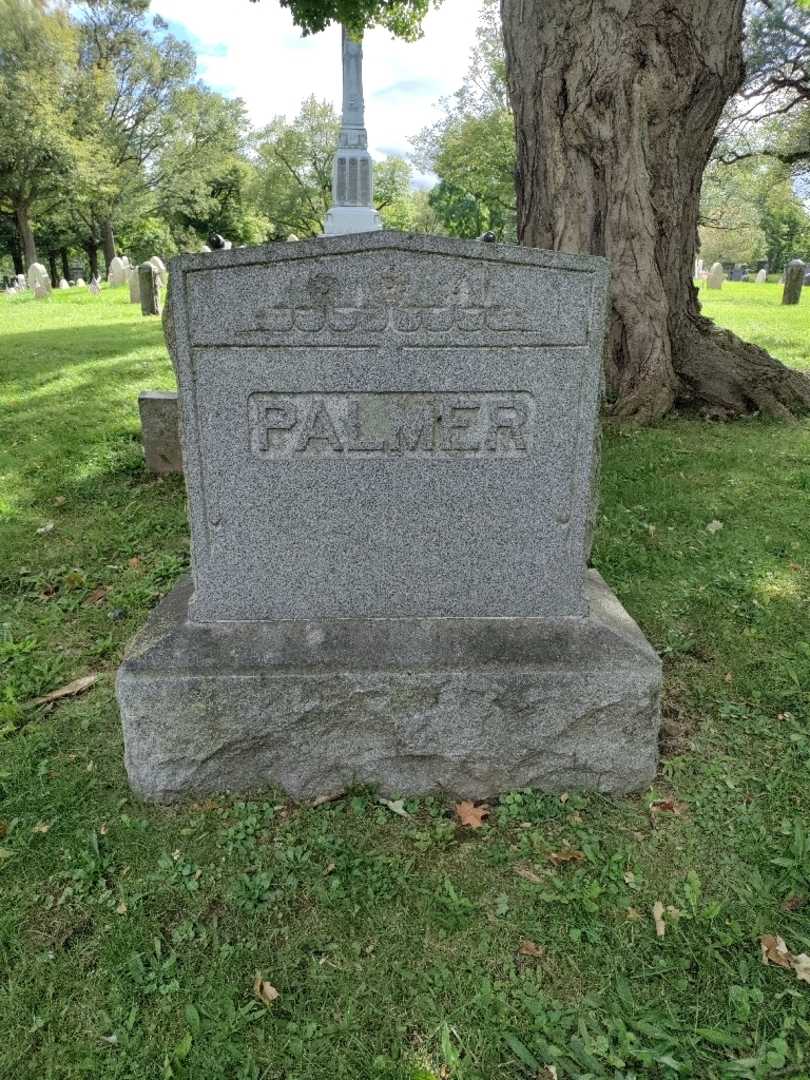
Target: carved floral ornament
(383, 303)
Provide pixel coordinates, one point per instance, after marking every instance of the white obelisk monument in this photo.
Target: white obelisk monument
(352, 209)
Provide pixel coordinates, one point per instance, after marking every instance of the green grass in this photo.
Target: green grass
(131, 936)
(757, 314)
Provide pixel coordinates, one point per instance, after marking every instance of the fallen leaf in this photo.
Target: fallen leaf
(564, 798)
(714, 526)
(794, 566)
(396, 806)
(633, 914)
(323, 799)
(558, 858)
(728, 677)
(97, 595)
(528, 948)
(549, 1073)
(673, 912)
(135, 562)
(668, 806)
(59, 500)
(529, 875)
(45, 529)
(774, 951)
(41, 827)
(111, 1039)
(793, 903)
(78, 686)
(264, 991)
(5, 853)
(3, 829)
(658, 917)
(629, 877)
(122, 908)
(330, 869)
(471, 815)
(801, 965)
(103, 828)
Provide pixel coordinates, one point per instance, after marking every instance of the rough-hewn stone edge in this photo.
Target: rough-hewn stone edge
(162, 448)
(195, 711)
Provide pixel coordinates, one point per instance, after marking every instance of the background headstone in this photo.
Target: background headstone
(149, 285)
(117, 275)
(81, 283)
(134, 285)
(95, 286)
(160, 266)
(38, 275)
(762, 276)
(160, 427)
(40, 292)
(63, 284)
(389, 448)
(715, 278)
(794, 279)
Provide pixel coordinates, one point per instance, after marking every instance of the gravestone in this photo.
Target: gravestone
(134, 285)
(38, 275)
(149, 288)
(117, 274)
(81, 283)
(160, 428)
(389, 446)
(22, 282)
(163, 273)
(738, 272)
(95, 286)
(762, 276)
(40, 292)
(794, 279)
(715, 278)
(63, 284)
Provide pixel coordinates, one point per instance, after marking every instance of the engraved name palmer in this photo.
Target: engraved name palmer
(388, 424)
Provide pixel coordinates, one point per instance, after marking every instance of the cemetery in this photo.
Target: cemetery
(404, 594)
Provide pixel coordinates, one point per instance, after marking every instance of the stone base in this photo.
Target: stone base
(467, 707)
(341, 220)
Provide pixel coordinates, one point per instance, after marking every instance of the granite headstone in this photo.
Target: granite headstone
(389, 452)
(715, 278)
(794, 280)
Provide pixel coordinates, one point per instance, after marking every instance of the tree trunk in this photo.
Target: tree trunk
(109, 244)
(53, 270)
(65, 260)
(616, 104)
(91, 247)
(17, 255)
(26, 235)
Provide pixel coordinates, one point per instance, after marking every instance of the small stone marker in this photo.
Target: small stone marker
(149, 285)
(389, 455)
(95, 286)
(38, 275)
(715, 278)
(163, 273)
(134, 285)
(63, 284)
(794, 279)
(40, 292)
(762, 277)
(80, 283)
(160, 426)
(117, 275)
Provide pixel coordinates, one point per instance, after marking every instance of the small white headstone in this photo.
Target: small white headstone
(160, 266)
(716, 276)
(40, 292)
(21, 282)
(134, 285)
(762, 277)
(95, 287)
(117, 273)
(38, 275)
(81, 283)
(63, 284)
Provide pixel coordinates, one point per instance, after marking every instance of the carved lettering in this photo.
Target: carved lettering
(441, 426)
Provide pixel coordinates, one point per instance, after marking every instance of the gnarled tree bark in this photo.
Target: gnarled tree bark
(616, 104)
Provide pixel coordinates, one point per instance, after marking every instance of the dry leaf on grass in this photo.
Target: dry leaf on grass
(3, 829)
(135, 562)
(396, 806)
(793, 903)
(775, 951)
(471, 815)
(658, 917)
(559, 858)
(41, 827)
(121, 909)
(78, 686)
(668, 806)
(45, 529)
(59, 500)
(97, 595)
(264, 991)
(714, 526)
(529, 875)
(548, 1072)
(528, 948)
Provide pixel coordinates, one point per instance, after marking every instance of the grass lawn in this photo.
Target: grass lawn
(757, 314)
(131, 936)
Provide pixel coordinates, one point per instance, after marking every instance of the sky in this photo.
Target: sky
(254, 51)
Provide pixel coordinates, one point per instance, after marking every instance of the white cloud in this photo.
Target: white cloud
(255, 52)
